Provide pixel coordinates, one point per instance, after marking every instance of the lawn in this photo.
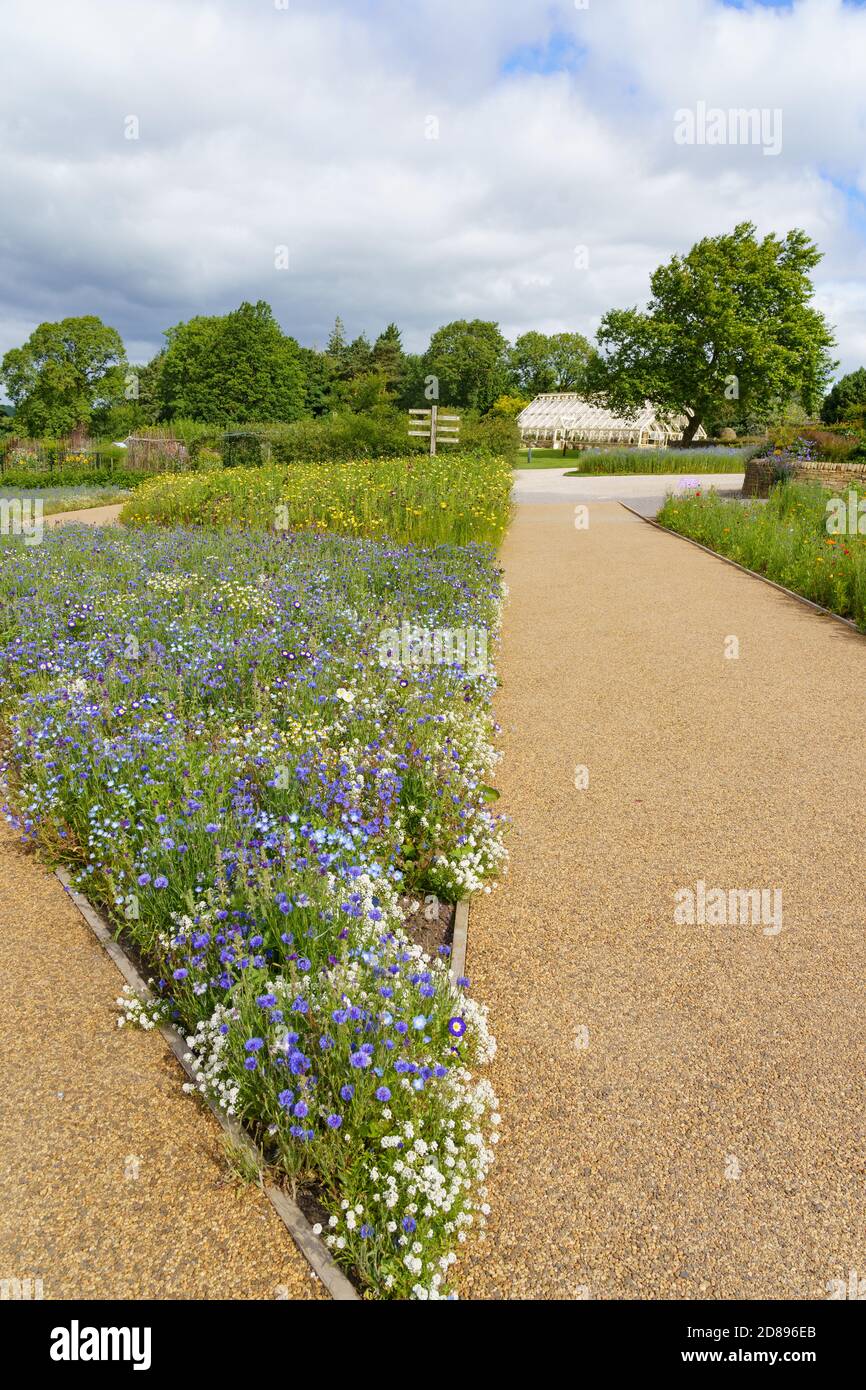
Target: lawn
(785, 538)
(212, 729)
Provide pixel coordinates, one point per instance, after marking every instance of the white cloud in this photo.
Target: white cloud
(305, 127)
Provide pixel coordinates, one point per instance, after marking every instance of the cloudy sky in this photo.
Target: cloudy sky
(419, 160)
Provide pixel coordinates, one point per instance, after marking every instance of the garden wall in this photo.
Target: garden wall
(759, 475)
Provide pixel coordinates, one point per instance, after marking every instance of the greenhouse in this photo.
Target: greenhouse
(563, 420)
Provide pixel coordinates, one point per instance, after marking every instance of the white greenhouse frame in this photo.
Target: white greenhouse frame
(562, 420)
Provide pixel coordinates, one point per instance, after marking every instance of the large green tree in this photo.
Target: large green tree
(232, 367)
(63, 373)
(541, 362)
(470, 363)
(389, 359)
(730, 321)
(849, 394)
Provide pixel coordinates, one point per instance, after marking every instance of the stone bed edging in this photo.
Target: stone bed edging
(311, 1246)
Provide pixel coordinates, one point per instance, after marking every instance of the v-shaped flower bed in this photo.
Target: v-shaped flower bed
(202, 724)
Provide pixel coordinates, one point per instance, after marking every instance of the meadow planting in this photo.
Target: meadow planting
(452, 498)
(201, 723)
(714, 459)
(794, 538)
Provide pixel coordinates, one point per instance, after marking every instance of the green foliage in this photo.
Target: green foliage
(239, 366)
(539, 363)
(469, 362)
(733, 314)
(423, 501)
(847, 399)
(243, 450)
(508, 406)
(63, 373)
(640, 461)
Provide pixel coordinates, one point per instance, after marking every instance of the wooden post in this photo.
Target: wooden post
(433, 413)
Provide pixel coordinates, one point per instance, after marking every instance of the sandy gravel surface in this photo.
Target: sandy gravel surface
(94, 516)
(710, 1141)
(84, 1106)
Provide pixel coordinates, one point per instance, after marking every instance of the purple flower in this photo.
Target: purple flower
(301, 1109)
(456, 1027)
(251, 1063)
(253, 1044)
(383, 1093)
(161, 882)
(285, 1098)
(143, 880)
(408, 1224)
(334, 1121)
(347, 1092)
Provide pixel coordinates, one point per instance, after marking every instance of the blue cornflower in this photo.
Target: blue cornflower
(253, 1044)
(347, 1092)
(161, 882)
(409, 1225)
(383, 1093)
(334, 1121)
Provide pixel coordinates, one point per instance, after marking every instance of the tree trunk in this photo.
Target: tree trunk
(691, 429)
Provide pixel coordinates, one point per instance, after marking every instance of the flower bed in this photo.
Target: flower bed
(786, 538)
(452, 498)
(203, 725)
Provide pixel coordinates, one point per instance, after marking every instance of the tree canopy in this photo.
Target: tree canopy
(232, 367)
(539, 362)
(63, 373)
(469, 362)
(847, 396)
(731, 320)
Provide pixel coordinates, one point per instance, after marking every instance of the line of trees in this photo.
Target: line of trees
(729, 337)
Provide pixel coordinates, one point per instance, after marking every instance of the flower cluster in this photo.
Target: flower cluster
(200, 723)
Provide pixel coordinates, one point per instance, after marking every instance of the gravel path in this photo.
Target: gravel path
(113, 1182)
(709, 1140)
(93, 516)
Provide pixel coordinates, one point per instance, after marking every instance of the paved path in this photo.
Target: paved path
(94, 516)
(645, 491)
(710, 1142)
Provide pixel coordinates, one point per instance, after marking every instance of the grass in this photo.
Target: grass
(598, 463)
(202, 725)
(449, 499)
(785, 538)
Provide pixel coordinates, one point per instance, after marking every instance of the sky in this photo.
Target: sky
(526, 161)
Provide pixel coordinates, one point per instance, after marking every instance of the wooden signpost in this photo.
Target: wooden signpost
(444, 429)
